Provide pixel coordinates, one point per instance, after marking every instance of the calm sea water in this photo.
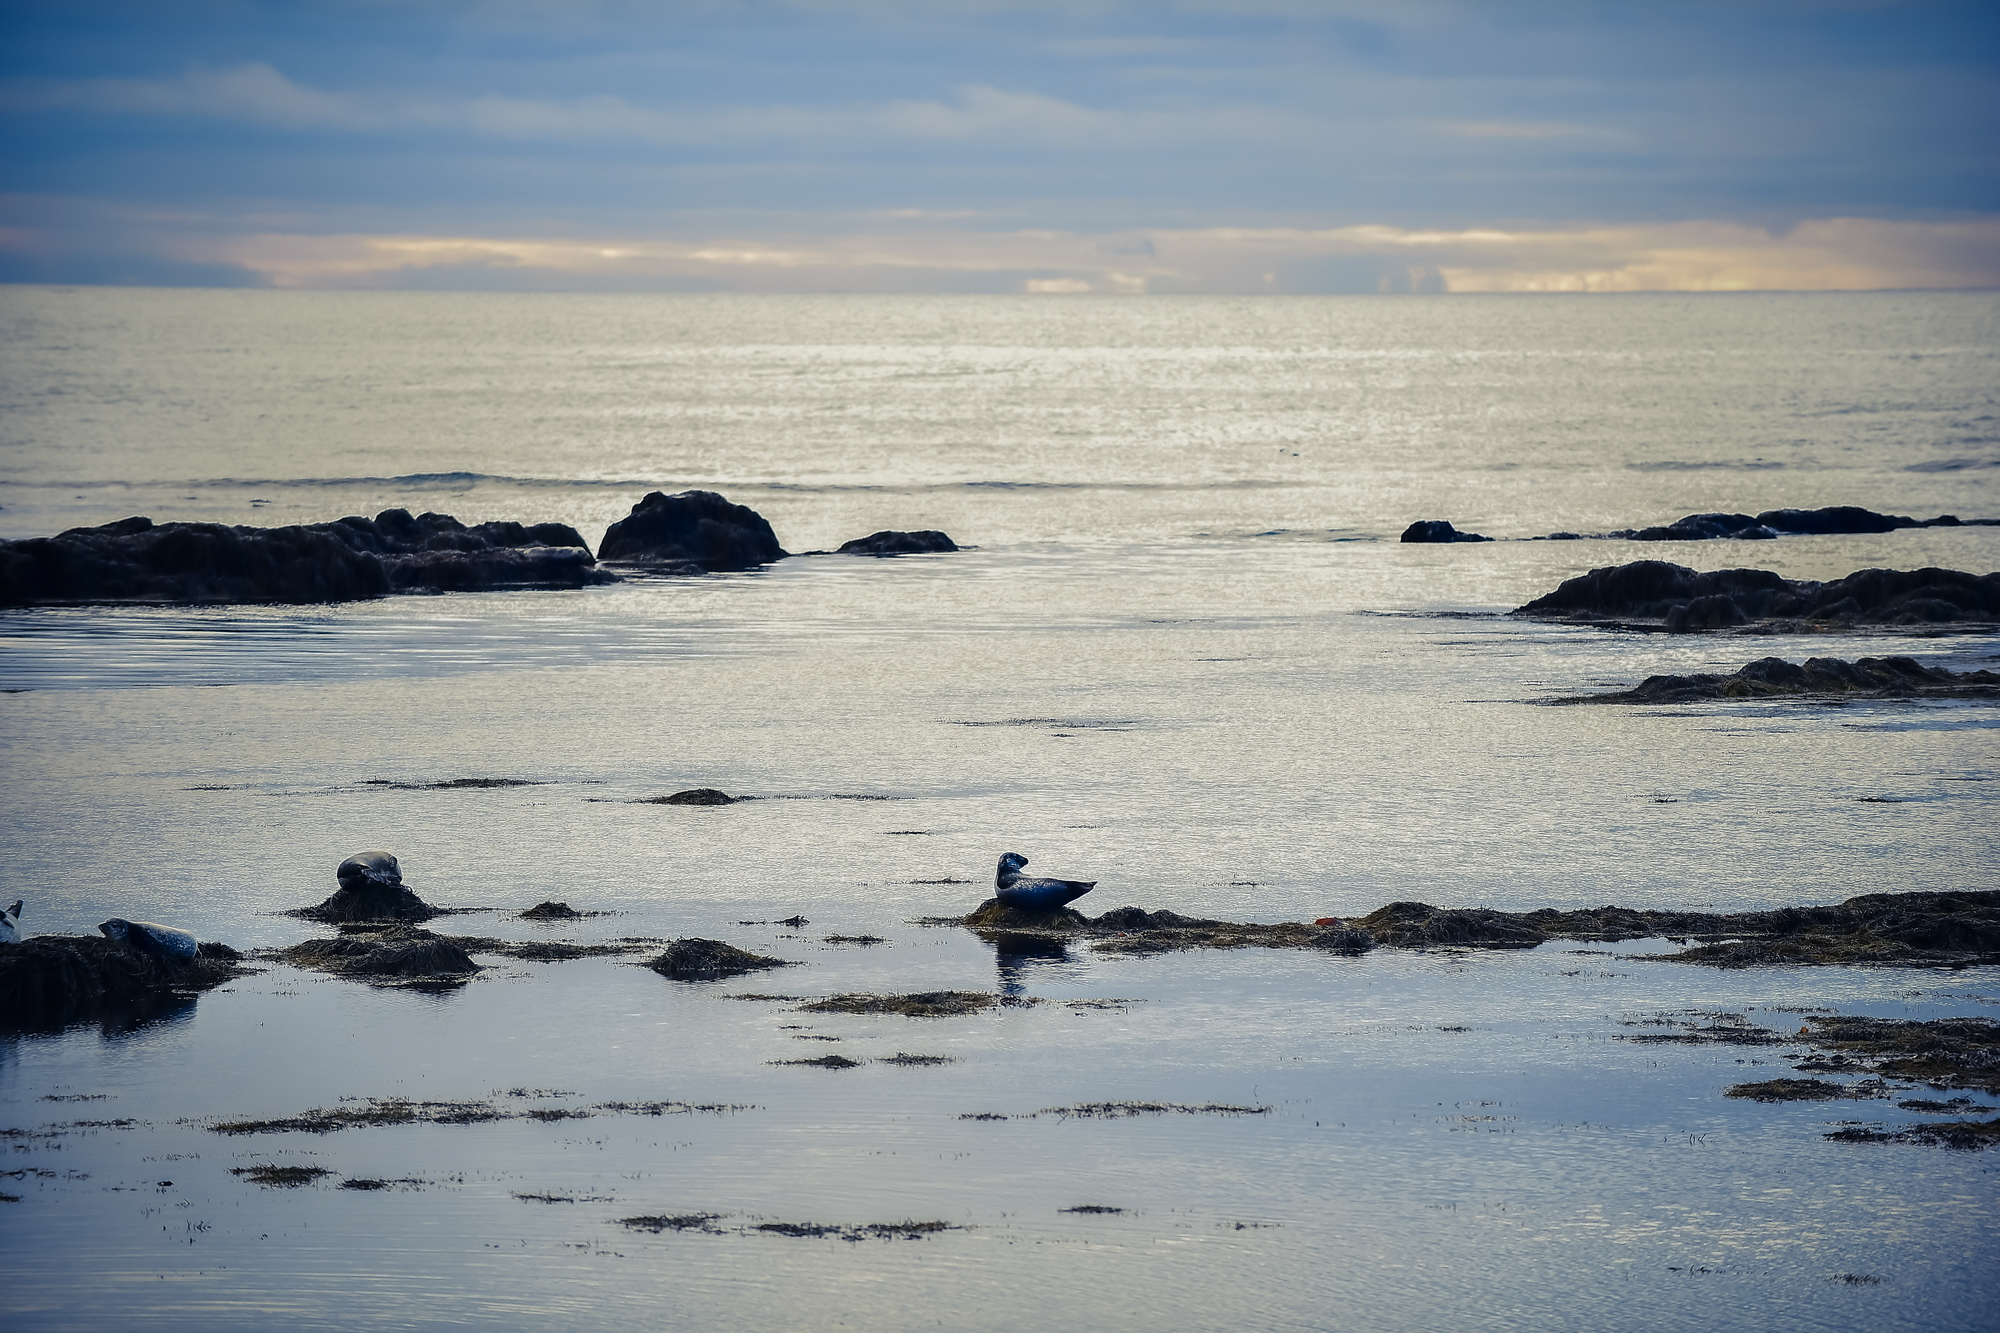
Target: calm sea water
(1187, 658)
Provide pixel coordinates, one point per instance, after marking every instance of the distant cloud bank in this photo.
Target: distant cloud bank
(1831, 254)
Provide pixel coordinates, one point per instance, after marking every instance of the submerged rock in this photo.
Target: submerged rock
(1836, 519)
(1438, 530)
(135, 559)
(891, 542)
(1773, 677)
(1679, 599)
(696, 532)
(59, 978)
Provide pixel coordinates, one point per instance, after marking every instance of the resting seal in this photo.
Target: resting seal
(1034, 895)
(163, 942)
(369, 870)
(10, 923)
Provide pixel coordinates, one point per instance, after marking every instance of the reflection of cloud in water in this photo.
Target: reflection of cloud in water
(1016, 956)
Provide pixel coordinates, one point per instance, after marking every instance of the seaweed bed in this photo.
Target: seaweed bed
(921, 1004)
(1121, 1111)
(1921, 929)
(1883, 1055)
(377, 1111)
(56, 978)
(705, 1222)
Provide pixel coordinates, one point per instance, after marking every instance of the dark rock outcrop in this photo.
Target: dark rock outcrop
(53, 979)
(393, 955)
(1769, 677)
(693, 796)
(1923, 929)
(1679, 599)
(371, 889)
(1835, 519)
(1438, 530)
(892, 542)
(551, 911)
(351, 558)
(694, 532)
(709, 960)
(1419, 925)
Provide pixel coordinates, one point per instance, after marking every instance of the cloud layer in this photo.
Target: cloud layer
(877, 145)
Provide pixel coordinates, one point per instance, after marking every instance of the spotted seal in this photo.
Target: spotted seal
(1034, 895)
(10, 924)
(163, 942)
(369, 870)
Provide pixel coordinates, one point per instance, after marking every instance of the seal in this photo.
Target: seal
(369, 870)
(1034, 895)
(10, 924)
(162, 942)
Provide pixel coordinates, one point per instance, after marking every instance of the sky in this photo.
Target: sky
(1280, 146)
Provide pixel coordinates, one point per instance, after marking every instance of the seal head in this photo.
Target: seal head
(1024, 894)
(369, 870)
(10, 924)
(162, 942)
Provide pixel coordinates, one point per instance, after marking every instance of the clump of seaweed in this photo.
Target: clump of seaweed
(823, 1062)
(373, 1183)
(1802, 1090)
(561, 1198)
(368, 900)
(272, 1176)
(906, 1230)
(549, 910)
(1941, 1052)
(693, 796)
(921, 1004)
(1419, 925)
(709, 960)
(1091, 1208)
(1721, 1029)
(56, 978)
(1963, 1135)
(538, 951)
(673, 1222)
(373, 1112)
(996, 915)
(1127, 1110)
(705, 1223)
(386, 955)
(905, 1058)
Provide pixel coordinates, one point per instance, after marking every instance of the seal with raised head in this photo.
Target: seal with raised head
(163, 942)
(369, 870)
(10, 924)
(1025, 894)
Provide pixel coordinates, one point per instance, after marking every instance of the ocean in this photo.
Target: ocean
(1183, 654)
